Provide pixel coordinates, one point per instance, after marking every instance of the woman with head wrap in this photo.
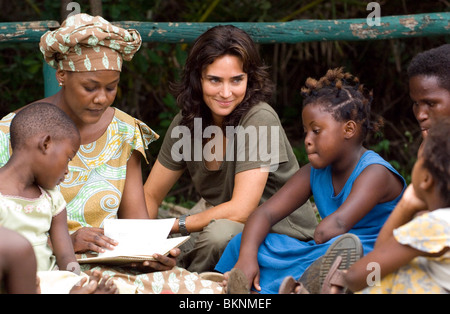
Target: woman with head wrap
(87, 53)
(105, 179)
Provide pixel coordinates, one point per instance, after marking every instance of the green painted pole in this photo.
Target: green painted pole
(406, 26)
(51, 86)
(17, 32)
(402, 26)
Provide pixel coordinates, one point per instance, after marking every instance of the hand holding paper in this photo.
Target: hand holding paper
(139, 240)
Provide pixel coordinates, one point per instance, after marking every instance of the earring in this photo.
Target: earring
(60, 84)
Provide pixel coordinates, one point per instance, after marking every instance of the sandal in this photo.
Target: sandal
(237, 282)
(310, 277)
(292, 286)
(212, 276)
(342, 254)
(334, 278)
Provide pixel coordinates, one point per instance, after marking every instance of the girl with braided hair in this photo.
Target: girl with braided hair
(354, 189)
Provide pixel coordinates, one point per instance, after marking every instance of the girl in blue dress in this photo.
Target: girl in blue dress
(354, 189)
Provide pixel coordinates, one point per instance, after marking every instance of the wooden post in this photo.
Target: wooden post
(96, 7)
(64, 12)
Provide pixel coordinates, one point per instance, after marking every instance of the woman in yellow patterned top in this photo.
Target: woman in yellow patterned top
(412, 251)
(105, 178)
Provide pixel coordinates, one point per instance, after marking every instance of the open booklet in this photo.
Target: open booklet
(138, 240)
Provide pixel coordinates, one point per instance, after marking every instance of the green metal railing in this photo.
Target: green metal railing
(404, 26)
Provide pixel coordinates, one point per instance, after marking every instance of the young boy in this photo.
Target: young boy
(43, 140)
(429, 86)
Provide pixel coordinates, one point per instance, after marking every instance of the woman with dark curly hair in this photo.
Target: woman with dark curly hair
(231, 142)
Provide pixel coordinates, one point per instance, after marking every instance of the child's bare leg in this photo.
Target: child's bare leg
(224, 283)
(97, 285)
(18, 265)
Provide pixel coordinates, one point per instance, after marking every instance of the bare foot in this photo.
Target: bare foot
(97, 285)
(224, 283)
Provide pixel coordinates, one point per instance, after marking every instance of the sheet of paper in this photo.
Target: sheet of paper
(137, 236)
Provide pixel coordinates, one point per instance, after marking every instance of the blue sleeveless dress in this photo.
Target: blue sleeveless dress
(280, 255)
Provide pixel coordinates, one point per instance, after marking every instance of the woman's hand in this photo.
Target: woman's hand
(161, 262)
(91, 239)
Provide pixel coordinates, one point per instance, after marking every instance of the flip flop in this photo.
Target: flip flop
(237, 282)
(342, 254)
(334, 278)
(310, 277)
(212, 276)
(290, 285)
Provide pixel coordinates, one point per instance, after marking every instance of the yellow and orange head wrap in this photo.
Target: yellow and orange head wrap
(87, 43)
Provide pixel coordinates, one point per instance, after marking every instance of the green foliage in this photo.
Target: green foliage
(181, 201)
(300, 154)
(21, 76)
(384, 146)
